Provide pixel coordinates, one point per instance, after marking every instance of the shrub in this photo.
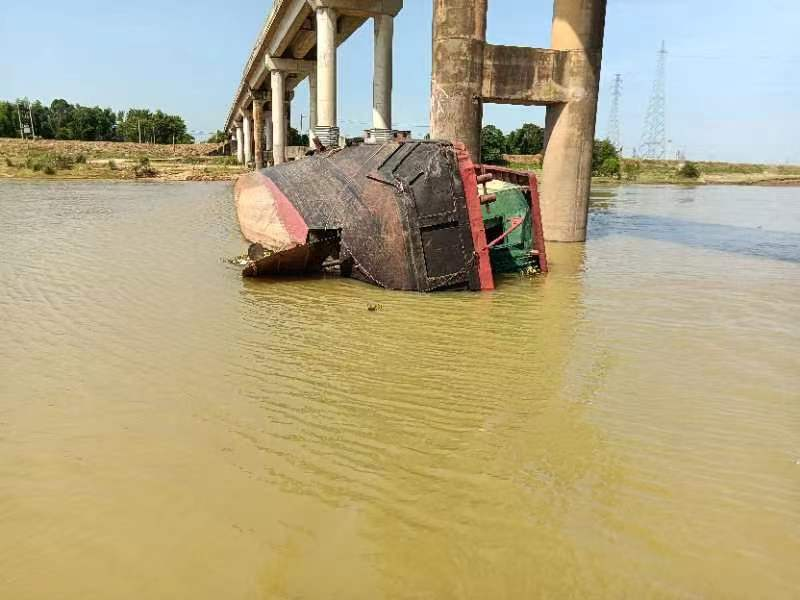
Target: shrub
(63, 161)
(632, 169)
(609, 168)
(689, 170)
(112, 164)
(80, 159)
(143, 169)
(49, 170)
(9, 162)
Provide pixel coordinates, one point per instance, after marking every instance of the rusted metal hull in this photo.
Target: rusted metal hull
(404, 215)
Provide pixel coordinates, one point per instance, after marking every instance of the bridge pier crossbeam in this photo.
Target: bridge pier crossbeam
(468, 72)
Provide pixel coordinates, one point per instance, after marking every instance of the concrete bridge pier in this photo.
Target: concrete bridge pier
(278, 83)
(467, 72)
(247, 128)
(327, 129)
(382, 130)
(459, 39)
(312, 107)
(578, 31)
(268, 134)
(239, 143)
(259, 99)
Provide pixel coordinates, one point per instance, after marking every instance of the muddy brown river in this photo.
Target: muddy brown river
(626, 427)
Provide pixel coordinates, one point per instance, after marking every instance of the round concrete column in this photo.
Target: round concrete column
(327, 129)
(278, 80)
(268, 130)
(247, 123)
(312, 108)
(578, 27)
(382, 78)
(239, 144)
(459, 37)
(258, 128)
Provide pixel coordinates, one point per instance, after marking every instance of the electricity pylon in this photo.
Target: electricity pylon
(654, 136)
(613, 133)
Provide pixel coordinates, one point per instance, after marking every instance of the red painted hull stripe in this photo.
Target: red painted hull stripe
(469, 179)
(292, 220)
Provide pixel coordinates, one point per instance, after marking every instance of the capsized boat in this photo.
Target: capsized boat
(404, 215)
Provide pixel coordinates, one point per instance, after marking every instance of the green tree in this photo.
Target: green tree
(9, 122)
(60, 119)
(493, 144)
(218, 137)
(41, 120)
(295, 139)
(605, 159)
(65, 121)
(528, 139)
(154, 127)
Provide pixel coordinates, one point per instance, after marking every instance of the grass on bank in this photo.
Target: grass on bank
(112, 160)
(688, 172)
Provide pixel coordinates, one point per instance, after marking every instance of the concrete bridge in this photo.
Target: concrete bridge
(300, 40)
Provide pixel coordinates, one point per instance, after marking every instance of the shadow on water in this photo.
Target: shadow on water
(607, 220)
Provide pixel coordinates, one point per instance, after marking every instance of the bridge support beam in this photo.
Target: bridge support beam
(239, 143)
(247, 127)
(468, 72)
(327, 129)
(278, 81)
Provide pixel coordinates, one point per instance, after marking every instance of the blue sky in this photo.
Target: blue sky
(733, 85)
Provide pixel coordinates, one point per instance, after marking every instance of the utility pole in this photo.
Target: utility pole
(33, 129)
(614, 133)
(21, 129)
(654, 136)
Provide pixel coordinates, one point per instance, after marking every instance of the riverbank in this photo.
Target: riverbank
(58, 159)
(61, 159)
(668, 172)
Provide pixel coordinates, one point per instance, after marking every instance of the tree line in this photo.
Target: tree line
(64, 121)
(529, 140)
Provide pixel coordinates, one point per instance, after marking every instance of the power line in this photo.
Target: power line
(614, 133)
(654, 136)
